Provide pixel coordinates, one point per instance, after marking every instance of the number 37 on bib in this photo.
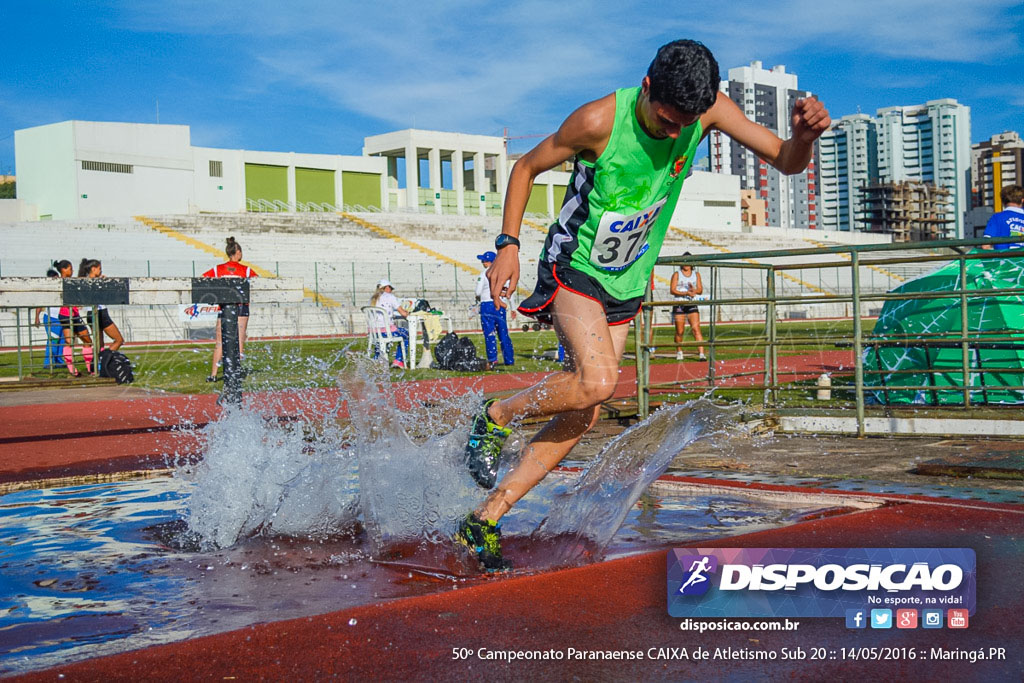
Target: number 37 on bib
(622, 239)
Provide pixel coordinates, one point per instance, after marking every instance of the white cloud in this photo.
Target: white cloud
(473, 66)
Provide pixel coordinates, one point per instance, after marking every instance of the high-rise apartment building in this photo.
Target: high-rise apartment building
(929, 143)
(848, 161)
(767, 98)
(995, 163)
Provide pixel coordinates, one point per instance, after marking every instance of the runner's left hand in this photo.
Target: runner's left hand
(809, 119)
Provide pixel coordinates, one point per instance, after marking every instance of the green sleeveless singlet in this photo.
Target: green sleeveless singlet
(616, 210)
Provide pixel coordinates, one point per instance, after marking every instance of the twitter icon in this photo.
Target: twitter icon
(881, 618)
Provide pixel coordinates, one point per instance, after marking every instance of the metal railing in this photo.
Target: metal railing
(765, 341)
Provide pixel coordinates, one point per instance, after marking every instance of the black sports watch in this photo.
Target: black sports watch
(504, 240)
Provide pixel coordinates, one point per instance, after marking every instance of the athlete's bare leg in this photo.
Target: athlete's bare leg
(218, 350)
(243, 326)
(573, 395)
(694, 320)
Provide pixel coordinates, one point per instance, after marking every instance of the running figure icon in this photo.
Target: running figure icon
(697, 570)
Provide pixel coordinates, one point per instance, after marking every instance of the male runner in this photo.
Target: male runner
(632, 150)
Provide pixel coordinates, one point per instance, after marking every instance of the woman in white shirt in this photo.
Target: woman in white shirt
(384, 298)
(686, 285)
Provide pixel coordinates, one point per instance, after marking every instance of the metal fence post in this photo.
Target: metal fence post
(353, 283)
(455, 271)
(964, 349)
(96, 339)
(232, 392)
(17, 332)
(711, 326)
(423, 283)
(28, 325)
(858, 351)
(769, 350)
(642, 367)
(316, 280)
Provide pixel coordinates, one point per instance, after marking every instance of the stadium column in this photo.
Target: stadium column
(457, 182)
(339, 186)
(434, 164)
(291, 180)
(501, 176)
(412, 181)
(480, 181)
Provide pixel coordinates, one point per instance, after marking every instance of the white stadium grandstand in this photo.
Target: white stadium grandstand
(293, 217)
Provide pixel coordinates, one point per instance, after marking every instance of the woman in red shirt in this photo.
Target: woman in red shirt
(233, 267)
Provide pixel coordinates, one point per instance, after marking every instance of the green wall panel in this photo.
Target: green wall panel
(361, 188)
(538, 202)
(266, 182)
(314, 185)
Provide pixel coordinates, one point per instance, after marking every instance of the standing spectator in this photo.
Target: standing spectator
(92, 268)
(233, 267)
(71, 323)
(385, 298)
(1010, 221)
(54, 334)
(686, 285)
(492, 317)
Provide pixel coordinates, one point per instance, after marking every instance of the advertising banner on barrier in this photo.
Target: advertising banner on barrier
(820, 582)
(199, 313)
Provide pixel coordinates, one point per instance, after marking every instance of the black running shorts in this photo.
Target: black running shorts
(551, 276)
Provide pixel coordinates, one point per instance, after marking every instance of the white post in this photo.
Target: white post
(412, 182)
(339, 189)
(457, 182)
(501, 175)
(291, 180)
(480, 181)
(434, 168)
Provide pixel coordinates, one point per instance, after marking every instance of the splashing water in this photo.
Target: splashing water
(585, 517)
(396, 471)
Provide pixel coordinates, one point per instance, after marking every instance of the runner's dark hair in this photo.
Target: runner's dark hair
(232, 247)
(684, 75)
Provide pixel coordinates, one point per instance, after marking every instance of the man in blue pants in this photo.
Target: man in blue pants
(492, 318)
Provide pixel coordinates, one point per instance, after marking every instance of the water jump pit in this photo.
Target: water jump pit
(275, 524)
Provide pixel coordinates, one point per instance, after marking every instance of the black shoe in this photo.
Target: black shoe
(483, 537)
(211, 378)
(483, 448)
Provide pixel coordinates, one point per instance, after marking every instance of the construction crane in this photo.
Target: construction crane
(506, 137)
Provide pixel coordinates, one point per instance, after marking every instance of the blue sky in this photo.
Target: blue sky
(318, 77)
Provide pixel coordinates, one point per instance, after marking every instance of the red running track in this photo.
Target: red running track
(616, 605)
(69, 439)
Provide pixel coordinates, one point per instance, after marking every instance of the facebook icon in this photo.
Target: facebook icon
(856, 618)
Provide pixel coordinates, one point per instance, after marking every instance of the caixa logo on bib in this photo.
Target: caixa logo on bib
(816, 582)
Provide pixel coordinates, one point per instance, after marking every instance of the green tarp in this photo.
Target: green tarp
(915, 321)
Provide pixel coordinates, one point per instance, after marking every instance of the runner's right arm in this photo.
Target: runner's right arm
(673, 285)
(585, 131)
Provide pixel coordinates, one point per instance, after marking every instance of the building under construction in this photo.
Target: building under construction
(910, 211)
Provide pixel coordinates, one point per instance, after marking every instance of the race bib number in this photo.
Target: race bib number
(622, 239)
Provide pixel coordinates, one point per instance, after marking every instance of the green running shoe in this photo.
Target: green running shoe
(483, 537)
(483, 449)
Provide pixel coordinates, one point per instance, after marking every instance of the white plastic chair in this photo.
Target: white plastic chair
(378, 334)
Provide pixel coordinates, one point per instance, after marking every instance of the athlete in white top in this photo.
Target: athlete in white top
(686, 285)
